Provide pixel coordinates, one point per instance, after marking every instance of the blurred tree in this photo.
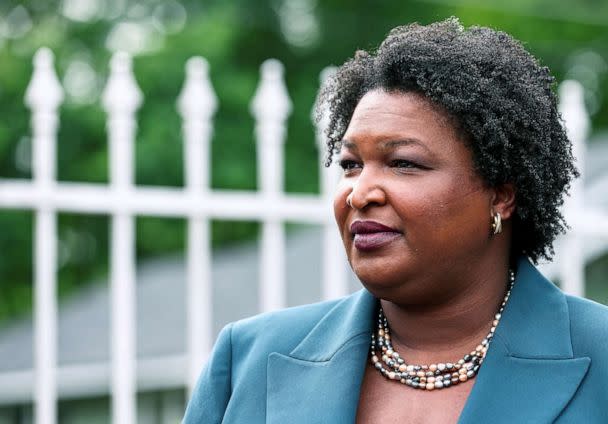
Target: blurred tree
(235, 37)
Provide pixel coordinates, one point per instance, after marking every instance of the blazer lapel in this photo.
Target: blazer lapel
(320, 380)
(529, 373)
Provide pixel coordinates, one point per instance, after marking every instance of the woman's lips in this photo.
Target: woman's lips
(370, 235)
(371, 241)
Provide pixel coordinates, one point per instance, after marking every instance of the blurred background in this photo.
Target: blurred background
(235, 37)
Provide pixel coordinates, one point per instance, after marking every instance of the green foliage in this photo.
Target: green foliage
(235, 37)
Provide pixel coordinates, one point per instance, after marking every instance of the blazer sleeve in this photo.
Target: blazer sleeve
(212, 392)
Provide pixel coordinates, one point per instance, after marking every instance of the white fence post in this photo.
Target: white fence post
(271, 107)
(197, 104)
(44, 96)
(121, 99)
(571, 260)
(335, 282)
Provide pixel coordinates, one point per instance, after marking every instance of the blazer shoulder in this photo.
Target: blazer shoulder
(588, 325)
(279, 331)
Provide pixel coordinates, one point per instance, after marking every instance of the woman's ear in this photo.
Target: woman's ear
(503, 200)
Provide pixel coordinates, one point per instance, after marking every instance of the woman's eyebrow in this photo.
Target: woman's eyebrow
(387, 145)
(393, 144)
(346, 144)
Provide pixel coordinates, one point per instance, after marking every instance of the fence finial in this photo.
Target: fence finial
(44, 92)
(197, 100)
(121, 94)
(271, 102)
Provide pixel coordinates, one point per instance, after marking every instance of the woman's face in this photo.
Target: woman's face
(418, 210)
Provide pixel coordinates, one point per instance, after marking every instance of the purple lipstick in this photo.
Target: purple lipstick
(371, 235)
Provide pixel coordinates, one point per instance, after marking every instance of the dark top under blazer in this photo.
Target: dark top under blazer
(548, 363)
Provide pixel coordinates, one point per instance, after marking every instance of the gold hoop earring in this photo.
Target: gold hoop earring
(496, 224)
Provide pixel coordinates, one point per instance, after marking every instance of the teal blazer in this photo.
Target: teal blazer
(548, 363)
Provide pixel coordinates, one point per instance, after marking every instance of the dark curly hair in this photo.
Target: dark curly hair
(500, 99)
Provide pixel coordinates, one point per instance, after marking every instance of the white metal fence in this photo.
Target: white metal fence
(123, 201)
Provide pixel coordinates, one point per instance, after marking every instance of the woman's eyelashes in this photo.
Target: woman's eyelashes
(405, 164)
(350, 165)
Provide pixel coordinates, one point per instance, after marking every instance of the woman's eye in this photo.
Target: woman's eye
(348, 165)
(402, 163)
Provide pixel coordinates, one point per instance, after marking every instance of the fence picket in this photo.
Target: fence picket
(44, 96)
(121, 99)
(572, 262)
(271, 107)
(335, 282)
(197, 104)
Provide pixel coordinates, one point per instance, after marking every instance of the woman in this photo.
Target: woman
(455, 166)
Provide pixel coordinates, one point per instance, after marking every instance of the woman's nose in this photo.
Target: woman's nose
(366, 190)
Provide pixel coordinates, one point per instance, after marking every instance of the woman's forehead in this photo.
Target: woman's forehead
(395, 119)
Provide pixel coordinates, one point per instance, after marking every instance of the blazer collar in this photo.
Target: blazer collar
(529, 373)
(320, 380)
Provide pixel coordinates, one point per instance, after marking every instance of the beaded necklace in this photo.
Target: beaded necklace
(435, 376)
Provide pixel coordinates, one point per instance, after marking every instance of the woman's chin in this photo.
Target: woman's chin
(383, 279)
(376, 282)
(381, 268)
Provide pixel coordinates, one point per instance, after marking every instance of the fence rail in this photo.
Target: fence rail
(196, 202)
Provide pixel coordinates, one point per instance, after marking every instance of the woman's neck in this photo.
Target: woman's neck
(445, 331)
